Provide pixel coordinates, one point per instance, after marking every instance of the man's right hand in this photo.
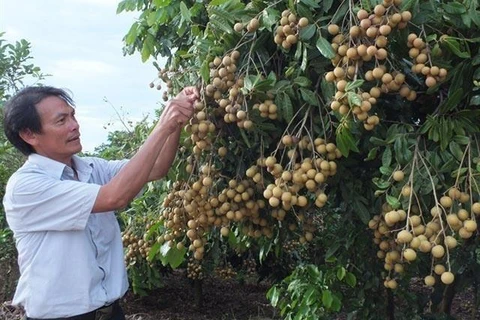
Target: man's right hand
(179, 109)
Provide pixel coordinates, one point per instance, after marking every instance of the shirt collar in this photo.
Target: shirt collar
(55, 169)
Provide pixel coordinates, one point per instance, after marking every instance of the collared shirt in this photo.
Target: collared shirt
(71, 261)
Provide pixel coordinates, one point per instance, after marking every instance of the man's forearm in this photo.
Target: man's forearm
(166, 156)
(133, 176)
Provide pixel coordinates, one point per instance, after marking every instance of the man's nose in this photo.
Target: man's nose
(74, 125)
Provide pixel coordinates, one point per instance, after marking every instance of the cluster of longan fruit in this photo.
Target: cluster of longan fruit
(194, 209)
(136, 247)
(250, 266)
(186, 212)
(420, 53)
(252, 25)
(400, 236)
(222, 74)
(268, 109)
(164, 76)
(286, 34)
(200, 129)
(360, 108)
(194, 270)
(225, 89)
(361, 43)
(227, 272)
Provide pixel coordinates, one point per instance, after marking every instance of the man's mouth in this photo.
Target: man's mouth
(74, 139)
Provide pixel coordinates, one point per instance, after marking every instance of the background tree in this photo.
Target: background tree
(318, 121)
(15, 72)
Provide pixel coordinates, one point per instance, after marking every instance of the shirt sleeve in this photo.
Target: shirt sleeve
(38, 202)
(106, 169)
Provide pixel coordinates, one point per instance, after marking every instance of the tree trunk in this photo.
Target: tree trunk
(445, 306)
(197, 293)
(475, 298)
(390, 305)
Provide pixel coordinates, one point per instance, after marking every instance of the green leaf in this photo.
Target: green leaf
(456, 150)
(362, 211)
(308, 32)
(354, 85)
(309, 97)
(205, 71)
(454, 8)
(381, 184)
(327, 4)
(186, 15)
(217, 2)
(250, 82)
(273, 294)
(336, 304)
(161, 3)
(394, 202)
(147, 50)
(386, 171)
(313, 271)
(387, 157)
(341, 272)
(372, 154)
(331, 250)
(311, 3)
(477, 255)
(408, 4)
(175, 257)
(302, 81)
(132, 33)
(350, 279)
(452, 101)
(354, 99)
(327, 298)
(264, 85)
(325, 48)
(454, 46)
(153, 251)
(345, 141)
(270, 17)
(463, 140)
(303, 66)
(285, 105)
(475, 101)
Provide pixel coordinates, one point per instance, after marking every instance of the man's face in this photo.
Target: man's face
(60, 137)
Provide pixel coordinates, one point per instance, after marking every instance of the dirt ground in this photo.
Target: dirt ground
(223, 300)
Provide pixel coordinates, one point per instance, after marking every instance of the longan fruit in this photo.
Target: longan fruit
(398, 175)
(362, 14)
(253, 25)
(429, 281)
(238, 27)
(447, 277)
(303, 22)
(333, 29)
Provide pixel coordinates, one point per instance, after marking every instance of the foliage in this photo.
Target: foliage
(310, 292)
(15, 68)
(372, 105)
(15, 71)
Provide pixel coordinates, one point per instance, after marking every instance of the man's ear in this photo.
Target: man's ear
(28, 136)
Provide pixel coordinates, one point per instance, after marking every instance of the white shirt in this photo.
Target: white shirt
(71, 261)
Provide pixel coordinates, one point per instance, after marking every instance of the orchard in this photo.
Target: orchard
(334, 147)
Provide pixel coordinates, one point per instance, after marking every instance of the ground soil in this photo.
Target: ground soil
(222, 299)
(228, 300)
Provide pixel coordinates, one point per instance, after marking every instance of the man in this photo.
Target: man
(60, 206)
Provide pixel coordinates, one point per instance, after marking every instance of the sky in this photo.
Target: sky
(79, 43)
